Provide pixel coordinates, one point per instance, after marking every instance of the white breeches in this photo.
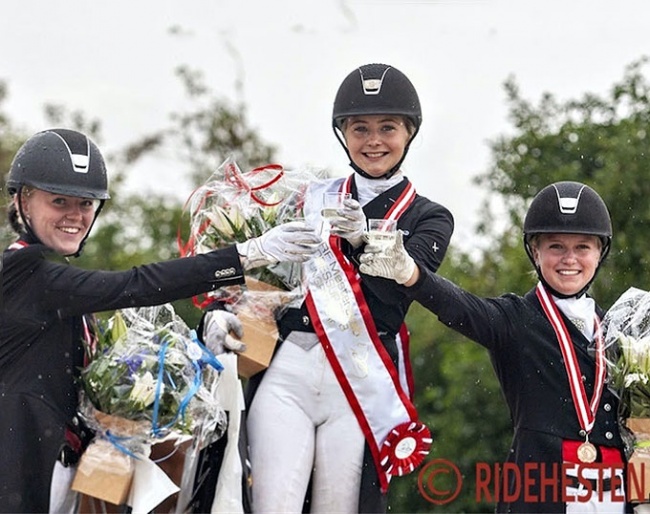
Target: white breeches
(63, 500)
(299, 422)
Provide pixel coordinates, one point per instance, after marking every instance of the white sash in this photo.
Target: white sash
(368, 377)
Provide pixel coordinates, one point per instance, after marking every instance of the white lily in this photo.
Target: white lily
(633, 378)
(644, 355)
(223, 220)
(625, 345)
(144, 390)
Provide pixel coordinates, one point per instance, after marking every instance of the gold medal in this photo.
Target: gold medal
(587, 452)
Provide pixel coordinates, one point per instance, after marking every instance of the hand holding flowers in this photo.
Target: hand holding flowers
(266, 203)
(233, 207)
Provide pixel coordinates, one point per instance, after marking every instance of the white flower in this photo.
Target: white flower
(225, 219)
(627, 348)
(144, 389)
(644, 355)
(636, 353)
(633, 378)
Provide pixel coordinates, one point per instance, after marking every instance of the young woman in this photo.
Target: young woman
(58, 183)
(547, 351)
(309, 422)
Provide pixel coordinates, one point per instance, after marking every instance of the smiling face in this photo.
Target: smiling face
(376, 143)
(567, 262)
(60, 222)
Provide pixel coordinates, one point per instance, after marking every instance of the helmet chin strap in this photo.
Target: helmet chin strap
(25, 220)
(360, 170)
(385, 176)
(83, 241)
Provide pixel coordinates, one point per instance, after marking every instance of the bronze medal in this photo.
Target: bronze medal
(587, 452)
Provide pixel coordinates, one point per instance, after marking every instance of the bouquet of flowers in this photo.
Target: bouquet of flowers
(149, 379)
(627, 343)
(233, 206)
(148, 366)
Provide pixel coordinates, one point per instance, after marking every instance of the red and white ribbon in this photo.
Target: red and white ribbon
(366, 373)
(17, 245)
(585, 409)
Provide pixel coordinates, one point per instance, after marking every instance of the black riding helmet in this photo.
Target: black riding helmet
(568, 208)
(59, 161)
(376, 89)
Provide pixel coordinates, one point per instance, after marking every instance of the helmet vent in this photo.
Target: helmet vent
(78, 147)
(80, 162)
(568, 205)
(371, 86)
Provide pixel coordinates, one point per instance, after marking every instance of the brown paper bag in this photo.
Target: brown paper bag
(170, 458)
(260, 330)
(639, 472)
(104, 471)
(640, 426)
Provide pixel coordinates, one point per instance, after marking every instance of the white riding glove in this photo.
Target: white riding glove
(350, 223)
(290, 242)
(217, 326)
(393, 263)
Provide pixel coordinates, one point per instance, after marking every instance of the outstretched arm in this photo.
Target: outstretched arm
(484, 320)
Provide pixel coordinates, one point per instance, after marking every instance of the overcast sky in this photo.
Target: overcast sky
(115, 60)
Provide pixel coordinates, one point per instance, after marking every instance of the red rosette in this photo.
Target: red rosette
(405, 448)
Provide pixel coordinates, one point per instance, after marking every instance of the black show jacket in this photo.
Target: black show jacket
(527, 359)
(41, 348)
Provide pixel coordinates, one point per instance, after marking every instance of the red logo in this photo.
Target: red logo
(440, 482)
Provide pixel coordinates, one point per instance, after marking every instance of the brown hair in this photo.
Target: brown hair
(13, 216)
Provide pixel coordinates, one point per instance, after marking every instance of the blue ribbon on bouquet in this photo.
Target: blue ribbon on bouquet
(207, 358)
(116, 441)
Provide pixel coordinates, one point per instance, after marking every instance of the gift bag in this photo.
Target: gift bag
(105, 470)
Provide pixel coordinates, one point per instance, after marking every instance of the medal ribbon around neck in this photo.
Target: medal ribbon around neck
(17, 245)
(585, 410)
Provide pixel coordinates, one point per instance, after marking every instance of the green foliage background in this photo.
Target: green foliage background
(599, 140)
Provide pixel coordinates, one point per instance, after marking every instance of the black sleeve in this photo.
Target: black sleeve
(484, 320)
(73, 291)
